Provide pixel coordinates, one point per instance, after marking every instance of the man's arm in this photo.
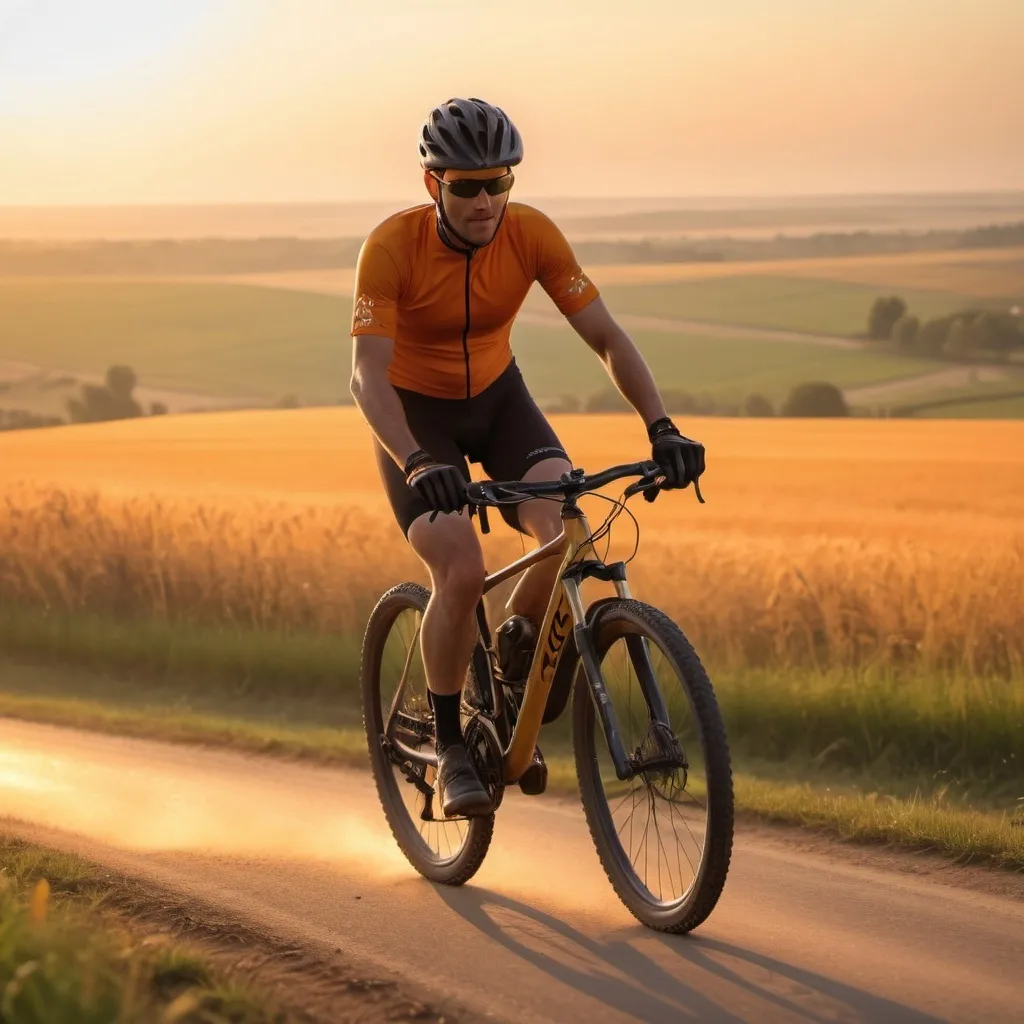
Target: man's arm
(622, 359)
(377, 399)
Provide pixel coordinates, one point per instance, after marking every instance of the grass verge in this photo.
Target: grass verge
(957, 727)
(66, 959)
(911, 821)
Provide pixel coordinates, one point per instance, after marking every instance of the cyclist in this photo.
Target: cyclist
(437, 288)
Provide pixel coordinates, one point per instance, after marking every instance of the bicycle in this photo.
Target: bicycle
(643, 760)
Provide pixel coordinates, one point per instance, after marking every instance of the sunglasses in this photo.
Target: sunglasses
(469, 188)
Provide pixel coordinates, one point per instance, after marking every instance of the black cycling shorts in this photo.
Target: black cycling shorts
(501, 428)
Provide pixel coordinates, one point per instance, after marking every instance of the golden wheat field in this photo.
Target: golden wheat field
(822, 543)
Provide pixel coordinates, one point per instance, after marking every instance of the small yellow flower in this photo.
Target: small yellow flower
(40, 901)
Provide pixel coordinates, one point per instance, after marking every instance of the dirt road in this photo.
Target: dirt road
(800, 934)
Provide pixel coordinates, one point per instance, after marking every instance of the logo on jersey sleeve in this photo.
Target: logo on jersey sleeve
(578, 283)
(363, 313)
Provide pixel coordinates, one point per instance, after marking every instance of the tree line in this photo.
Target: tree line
(967, 334)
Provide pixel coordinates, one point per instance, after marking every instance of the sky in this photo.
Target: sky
(151, 101)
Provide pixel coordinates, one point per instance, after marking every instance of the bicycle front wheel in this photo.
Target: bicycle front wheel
(664, 836)
(396, 711)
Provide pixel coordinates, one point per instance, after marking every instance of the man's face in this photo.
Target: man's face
(475, 219)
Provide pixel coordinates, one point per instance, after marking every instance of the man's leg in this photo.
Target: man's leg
(451, 552)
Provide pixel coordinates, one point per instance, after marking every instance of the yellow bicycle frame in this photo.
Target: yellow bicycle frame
(565, 609)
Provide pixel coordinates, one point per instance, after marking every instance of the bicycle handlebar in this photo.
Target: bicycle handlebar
(571, 485)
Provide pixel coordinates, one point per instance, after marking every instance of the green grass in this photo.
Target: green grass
(239, 662)
(955, 731)
(64, 959)
(797, 304)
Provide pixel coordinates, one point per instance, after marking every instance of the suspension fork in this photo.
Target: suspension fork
(625, 767)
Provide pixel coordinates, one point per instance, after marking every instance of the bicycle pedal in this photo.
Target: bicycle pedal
(534, 780)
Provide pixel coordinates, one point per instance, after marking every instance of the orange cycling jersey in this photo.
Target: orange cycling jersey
(449, 312)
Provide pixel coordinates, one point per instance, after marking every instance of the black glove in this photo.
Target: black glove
(441, 486)
(679, 458)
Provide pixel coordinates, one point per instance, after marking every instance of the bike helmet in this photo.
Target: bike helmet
(469, 135)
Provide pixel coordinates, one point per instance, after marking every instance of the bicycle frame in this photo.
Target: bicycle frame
(565, 610)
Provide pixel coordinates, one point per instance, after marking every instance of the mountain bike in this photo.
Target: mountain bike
(649, 746)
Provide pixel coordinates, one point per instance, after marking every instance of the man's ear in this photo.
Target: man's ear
(431, 183)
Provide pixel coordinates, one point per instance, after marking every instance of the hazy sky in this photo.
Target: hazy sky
(212, 100)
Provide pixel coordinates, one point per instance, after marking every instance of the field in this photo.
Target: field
(258, 340)
(855, 587)
(828, 547)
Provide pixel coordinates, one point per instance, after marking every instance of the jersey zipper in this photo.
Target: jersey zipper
(465, 330)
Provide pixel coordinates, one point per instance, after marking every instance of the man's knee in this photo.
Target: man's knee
(541, 518)
(451, 551)
(461, 580)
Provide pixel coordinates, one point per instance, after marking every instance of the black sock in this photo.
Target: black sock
(447, 725)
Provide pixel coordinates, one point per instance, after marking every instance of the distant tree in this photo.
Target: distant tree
(997, 332)
(815, 398)
(21, 419)
(931, 338)
(959, 338)
(157, 409)
(758, 405)
(112, 401)
(121, 381)
(884, 314)
(905, 330)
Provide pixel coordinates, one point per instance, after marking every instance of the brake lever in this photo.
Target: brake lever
(651, 493)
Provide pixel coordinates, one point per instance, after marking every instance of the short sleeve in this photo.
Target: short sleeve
(559, 273)
(375, 299)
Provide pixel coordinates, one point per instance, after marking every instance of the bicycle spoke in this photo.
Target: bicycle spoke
(629, 820)
(402, 691)
(680, 846)
(679, 824)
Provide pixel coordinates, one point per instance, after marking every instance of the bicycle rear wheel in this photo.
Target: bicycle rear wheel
(394, 688)
(664, 837)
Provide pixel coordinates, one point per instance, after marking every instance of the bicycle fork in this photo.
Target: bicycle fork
(669, 754)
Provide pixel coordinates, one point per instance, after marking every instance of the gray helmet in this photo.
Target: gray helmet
(469, 135)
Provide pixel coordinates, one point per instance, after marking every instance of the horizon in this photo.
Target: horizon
(762, 197)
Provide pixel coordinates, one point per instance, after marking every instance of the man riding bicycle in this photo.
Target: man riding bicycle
(437, 288)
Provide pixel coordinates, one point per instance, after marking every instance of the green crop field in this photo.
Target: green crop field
(262, 343)
(991, 409)
(555, 361)
(796, 304)
(215, 338)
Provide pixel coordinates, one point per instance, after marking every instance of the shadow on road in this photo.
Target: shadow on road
(674, 978)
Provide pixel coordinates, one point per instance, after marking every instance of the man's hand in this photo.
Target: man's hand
(679, 458)
(441, 486)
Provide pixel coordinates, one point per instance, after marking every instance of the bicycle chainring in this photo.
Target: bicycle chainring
(486, 755)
